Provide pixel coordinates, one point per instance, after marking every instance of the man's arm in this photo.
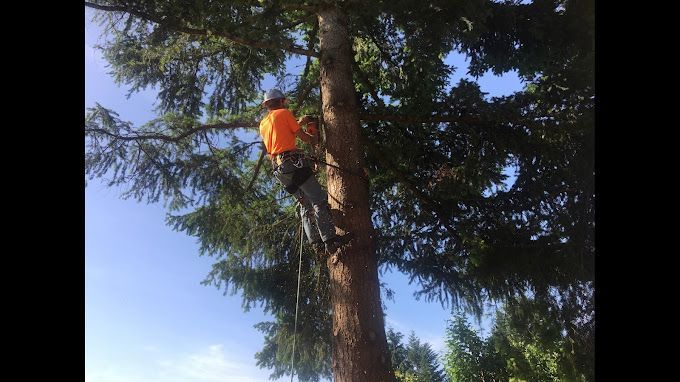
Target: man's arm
(306, 137)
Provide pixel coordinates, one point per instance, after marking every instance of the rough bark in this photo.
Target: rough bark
(360, 352)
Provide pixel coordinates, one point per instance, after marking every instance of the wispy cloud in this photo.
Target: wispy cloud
(208, 365)
(212, 365)
(396, 325)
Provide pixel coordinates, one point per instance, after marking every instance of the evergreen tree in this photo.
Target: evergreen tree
(540, 343)
(468, 357)
(423, 361)
(415, 163)
(529, 342)
(414, 362)
(397, 352)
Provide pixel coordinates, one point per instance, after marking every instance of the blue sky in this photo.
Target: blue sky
(147, 317)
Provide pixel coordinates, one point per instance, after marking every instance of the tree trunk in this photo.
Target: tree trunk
(360, 352)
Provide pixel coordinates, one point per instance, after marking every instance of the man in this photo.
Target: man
(279, 130)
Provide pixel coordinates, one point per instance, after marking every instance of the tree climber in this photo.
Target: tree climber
(293, 169)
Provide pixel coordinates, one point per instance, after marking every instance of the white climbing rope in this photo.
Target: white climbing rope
(297, 299)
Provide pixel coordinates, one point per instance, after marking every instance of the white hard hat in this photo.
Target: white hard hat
(273, 94)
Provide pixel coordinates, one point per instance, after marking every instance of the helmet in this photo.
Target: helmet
(273, 94)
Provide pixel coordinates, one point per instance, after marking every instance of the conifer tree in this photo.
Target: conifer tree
(529, 341)
(414, 361)
(414, 165)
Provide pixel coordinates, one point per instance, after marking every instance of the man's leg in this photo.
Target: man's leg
(317, 197)
(307, 213)
(286, 174)
(312, 191)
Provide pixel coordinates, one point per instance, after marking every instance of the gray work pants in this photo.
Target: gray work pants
(313, 201)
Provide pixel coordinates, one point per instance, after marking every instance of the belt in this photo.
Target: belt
(280, 157)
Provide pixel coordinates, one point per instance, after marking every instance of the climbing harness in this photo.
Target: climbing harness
(301, 170)
(297, 300)
(296, 157)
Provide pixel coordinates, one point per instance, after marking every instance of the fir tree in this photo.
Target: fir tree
(415, 361)
(416, 164)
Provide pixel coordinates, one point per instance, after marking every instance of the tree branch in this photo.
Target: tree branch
(257, 169)
(434, 206)
(301, 7)
(168, 138)
(294, 24)
(384, 57)
(307, 86)
(204, 32)
(401, 118)
(418, 119)
(164, 171)
(367, 83)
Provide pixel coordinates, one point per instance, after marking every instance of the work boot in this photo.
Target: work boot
(333, 244)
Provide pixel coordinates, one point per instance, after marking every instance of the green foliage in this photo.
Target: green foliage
(530, 342)
(437, 155)
(414, 361)
(542, 343)
(468, 357)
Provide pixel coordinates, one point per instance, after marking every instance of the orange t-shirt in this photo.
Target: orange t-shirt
(278, 131)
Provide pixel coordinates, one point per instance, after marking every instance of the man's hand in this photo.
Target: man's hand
(311, 129)
(304, 120)
(306, 137)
